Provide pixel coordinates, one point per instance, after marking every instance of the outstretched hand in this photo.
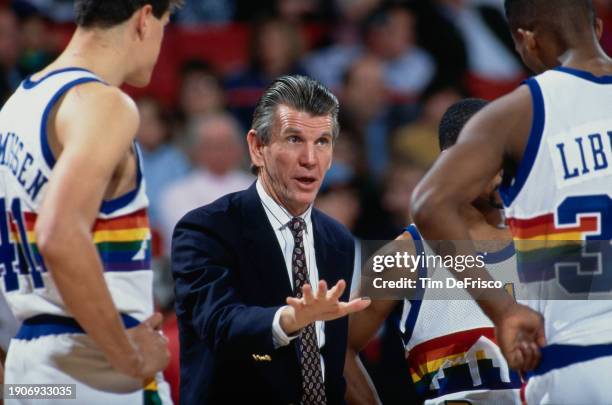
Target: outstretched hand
(520, 335)
(325, 305)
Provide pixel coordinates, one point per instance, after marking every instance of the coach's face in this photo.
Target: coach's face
(292, 165)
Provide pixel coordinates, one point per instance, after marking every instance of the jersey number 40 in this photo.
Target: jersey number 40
(17, 255)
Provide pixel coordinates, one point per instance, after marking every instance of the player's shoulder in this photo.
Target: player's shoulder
(96, 100)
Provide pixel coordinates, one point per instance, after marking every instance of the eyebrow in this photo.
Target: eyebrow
(296, 131)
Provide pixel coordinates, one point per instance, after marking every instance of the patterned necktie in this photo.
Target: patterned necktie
(313, 389)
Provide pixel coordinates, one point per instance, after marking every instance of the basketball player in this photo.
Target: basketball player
(553, 136)
(73, 221)
(449, 343)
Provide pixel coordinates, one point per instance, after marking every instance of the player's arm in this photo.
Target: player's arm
(362, 329)
(95, 124)
(497, 133)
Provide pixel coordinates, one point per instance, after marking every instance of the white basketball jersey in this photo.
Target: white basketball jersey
(450, 344)
(121, 232)
(560, 195)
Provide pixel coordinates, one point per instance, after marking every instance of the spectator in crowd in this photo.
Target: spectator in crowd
(162, 162)
(400, 181)
(389, 33)
(206, 12)
(217, 152)
(38, 48)
(603, 9)
(365, 111)
(339, 196)
(417, 142)
(296, 11)
(275, 49)
(471, 45)
(201, 92)
(10, 77)
(60, 11)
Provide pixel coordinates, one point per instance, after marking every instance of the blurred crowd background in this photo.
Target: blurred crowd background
(395, 66)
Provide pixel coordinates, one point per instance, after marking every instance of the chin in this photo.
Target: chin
(141, 80)
(306, 198)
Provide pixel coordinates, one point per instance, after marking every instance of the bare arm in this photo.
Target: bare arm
(362, 329)
(499, 132)
(95, 125)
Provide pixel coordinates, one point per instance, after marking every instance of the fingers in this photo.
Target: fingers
(296, 303)
(154, 321)
(515, 360)
(322, 290)
(307, 294)
(531, 355)
(356, 305)
(336, 292)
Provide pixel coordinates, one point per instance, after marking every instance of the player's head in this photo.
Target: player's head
(455, 118)
(543, 30)
(451, 125)
(144, 22)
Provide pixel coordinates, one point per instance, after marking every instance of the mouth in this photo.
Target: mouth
(306, 181)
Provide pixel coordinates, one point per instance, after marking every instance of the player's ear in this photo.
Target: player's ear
(255, 148)
(143, 16)
(598, 27)
(527, 38)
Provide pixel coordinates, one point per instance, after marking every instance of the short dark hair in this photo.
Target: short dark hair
(300, 93)
(561, 17)
(455, 118)
(108, 13)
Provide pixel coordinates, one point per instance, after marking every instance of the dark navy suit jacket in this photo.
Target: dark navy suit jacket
(231, 278)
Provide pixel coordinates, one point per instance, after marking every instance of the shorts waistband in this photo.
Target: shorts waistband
(45, 325)
(559, 356)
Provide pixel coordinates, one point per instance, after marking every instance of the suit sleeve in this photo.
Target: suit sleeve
(204, 271)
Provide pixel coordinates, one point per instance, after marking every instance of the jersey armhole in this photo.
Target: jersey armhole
(415, 304)
(509, 191)
(110, 206)
(44, 141)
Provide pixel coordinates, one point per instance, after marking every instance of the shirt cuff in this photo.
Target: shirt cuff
(279, 337)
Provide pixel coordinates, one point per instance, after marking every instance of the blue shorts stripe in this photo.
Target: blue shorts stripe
(559, 356)
(45, 325)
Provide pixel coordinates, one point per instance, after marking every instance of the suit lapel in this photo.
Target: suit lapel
(262, 244)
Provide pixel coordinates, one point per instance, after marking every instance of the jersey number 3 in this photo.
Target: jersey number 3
(590, 271)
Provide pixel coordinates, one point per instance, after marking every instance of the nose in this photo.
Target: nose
(308, 157)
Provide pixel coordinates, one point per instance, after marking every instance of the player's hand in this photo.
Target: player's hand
(152, 346)
(520, 334)
(325, 305)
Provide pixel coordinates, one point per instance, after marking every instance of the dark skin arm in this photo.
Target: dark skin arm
(362, 328)
(493, 138)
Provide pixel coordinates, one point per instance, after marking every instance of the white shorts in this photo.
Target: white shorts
(478, 397)
(564, 379)
(73, 358)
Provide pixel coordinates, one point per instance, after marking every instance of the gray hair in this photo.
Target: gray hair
(298, 92)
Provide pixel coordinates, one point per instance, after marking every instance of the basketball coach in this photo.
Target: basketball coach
(257, 321)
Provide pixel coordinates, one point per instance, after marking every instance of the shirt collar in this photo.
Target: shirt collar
(278, 215)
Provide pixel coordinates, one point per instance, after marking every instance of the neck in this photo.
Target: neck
(98, 52)
(294, 210)
(590, 58)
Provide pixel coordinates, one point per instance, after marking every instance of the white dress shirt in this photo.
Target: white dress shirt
(279, 218)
